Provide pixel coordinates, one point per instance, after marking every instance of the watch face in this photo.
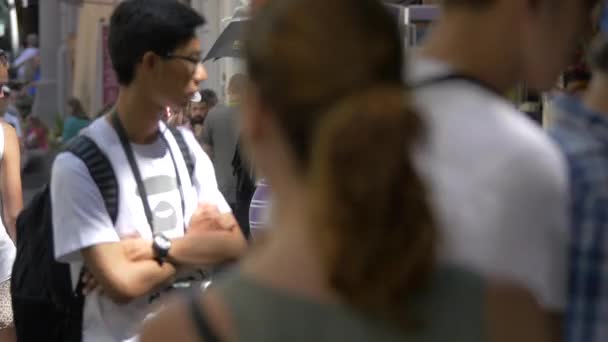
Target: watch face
(162, 242)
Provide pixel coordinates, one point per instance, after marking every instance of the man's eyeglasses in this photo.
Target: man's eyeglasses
(195, 61)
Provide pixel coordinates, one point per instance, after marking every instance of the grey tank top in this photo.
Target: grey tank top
(451, 309)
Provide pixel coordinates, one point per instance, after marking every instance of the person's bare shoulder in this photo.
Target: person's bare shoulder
(11, 140)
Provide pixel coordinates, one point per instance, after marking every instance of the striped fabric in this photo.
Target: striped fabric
(259, 211)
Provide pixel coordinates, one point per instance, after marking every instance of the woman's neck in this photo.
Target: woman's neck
(290, 258)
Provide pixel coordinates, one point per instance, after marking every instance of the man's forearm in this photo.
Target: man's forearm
(207, 249)
(152, 275)
(139, 279)
(121, 279)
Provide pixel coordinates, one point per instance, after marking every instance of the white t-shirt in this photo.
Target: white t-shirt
(7, 247)
(80, 218)
(498, 184)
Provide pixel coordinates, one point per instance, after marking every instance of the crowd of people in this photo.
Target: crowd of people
(399, 195)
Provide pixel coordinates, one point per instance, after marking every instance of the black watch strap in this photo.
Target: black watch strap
(161, 252)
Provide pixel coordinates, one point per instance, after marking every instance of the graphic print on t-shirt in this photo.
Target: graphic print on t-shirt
(165, 203)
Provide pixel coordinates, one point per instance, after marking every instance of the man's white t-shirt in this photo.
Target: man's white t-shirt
(498, 184)
(80, 219)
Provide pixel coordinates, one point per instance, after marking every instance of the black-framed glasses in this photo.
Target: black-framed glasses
(194, 60)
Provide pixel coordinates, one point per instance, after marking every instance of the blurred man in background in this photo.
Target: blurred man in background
(499, 184)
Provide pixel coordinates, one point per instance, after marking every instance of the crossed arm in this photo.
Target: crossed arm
(126, 270)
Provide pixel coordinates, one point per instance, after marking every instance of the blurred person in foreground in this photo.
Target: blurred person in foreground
(498, 183)
(12, 203)
(581, 129)
(352, 255)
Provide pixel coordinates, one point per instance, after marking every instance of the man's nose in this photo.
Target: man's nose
(200, 74)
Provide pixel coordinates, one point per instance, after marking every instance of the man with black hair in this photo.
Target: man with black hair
(170, 219)
(580, 128)
(220, 135)
(199, 110)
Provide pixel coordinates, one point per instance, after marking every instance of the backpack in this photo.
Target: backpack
(45, 306)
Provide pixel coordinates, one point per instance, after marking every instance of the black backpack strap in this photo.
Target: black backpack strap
(103, 175)
(185, 150)
(199, 318)
(101, 171)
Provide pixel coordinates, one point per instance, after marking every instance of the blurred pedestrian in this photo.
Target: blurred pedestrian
(36, 137)
(499, 184)
(12, 203)
(199, 111)
(76, 120)
(30, 52)
(220, 135)
(352, 255)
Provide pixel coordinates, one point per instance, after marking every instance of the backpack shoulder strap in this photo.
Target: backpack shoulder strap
(199, 317)
(100, 168)
(184, 149)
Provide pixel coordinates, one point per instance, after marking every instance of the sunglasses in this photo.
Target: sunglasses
(194, 61)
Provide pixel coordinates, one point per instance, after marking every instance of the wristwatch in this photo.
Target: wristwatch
(161, 246)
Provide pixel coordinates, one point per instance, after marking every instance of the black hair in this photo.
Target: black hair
(576, 75)
(140, 26)
(209, 97)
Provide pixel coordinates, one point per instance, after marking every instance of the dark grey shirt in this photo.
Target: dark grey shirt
(221, 133)
(450, 309)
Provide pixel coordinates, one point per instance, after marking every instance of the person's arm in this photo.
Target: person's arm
(221, 245)
(121, 279)
(212, 239)
(513, 314)
(213, 236)
(84, 232)
(12, 197)
(24, 57)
